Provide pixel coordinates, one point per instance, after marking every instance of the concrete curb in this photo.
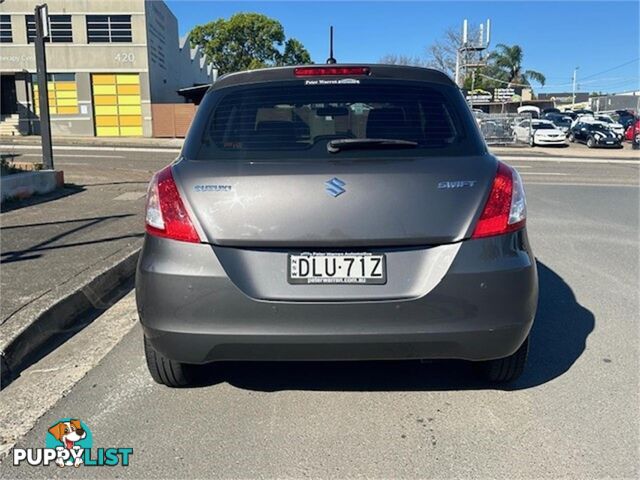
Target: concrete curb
(60, 311)
(24, 185)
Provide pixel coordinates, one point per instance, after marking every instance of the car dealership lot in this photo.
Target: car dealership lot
(573, 413)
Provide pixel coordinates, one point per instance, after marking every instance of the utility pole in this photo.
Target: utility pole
(573, 95)
(42, 30)
(457, 76)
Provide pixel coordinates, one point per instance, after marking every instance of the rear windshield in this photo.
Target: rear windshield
(294, 120)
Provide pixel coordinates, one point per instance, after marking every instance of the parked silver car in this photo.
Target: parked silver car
(341, 212)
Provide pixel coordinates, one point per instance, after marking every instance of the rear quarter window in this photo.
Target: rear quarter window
(290, 120)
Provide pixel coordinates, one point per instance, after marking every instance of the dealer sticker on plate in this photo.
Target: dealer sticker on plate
(332, 268)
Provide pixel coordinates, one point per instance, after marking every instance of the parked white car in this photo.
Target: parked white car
(538, 132)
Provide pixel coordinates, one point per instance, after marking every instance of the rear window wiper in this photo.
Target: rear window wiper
(334, 146)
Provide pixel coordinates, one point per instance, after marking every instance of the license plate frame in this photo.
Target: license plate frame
(314, 257)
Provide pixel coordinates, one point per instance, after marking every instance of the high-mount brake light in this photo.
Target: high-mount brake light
(166, 215)
(506, 209)
(320, 71)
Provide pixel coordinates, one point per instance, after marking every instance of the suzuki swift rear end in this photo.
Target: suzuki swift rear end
(335, 213)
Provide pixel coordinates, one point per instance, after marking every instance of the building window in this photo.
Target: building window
(109, 28)
(59, 29)
(63, 94)
(5, 29)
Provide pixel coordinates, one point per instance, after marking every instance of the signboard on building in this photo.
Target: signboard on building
(503, 94)
(478, 96)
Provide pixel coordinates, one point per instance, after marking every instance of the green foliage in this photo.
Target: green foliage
(6, 168)
(294, 54)
(503, 67)
(247, 41)
(505, 63)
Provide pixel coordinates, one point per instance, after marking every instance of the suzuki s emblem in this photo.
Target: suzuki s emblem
(334, 187)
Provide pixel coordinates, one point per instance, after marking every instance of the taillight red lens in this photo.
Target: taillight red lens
(505, 210)
(313, 71)
(166, 215)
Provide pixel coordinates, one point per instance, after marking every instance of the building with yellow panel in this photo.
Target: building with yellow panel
(117, 104)
(109, 61)
(63, 94)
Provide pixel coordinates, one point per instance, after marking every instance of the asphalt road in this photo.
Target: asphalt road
(98, 215)
(573, 414)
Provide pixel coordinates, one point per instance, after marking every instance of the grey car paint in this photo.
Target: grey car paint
(283, 204)
(447, 296)
(192, 311)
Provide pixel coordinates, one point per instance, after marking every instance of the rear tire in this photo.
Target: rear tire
(572, 138)
(166, 371)
(590, 142)
(532, 142)
(506, 369)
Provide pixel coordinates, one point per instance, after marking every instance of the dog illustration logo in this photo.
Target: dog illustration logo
(72, 435)
(69, 442)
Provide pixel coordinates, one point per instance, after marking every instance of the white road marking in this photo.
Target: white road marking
(577, 184)
(95, 149)
(66, 164)
(73, 155)
(630, 161)
(546, 173)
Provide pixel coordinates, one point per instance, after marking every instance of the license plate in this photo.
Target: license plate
(337, 268)
(610, 142)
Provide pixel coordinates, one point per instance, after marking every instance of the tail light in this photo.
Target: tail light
(506, 208)
(166, 215)
(313, 71)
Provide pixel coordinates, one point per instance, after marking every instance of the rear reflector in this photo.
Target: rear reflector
(505, 210)
(317, 71)
(166, 215)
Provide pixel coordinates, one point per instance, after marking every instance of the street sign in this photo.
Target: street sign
(43, 12)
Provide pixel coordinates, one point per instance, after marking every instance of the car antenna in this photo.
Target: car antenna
(331, 60)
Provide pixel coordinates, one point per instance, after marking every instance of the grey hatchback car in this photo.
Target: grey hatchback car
(335, 212)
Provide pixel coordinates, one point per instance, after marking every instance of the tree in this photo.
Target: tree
(247, 41)
(505, 62)
(393, 59)
(441, 54)
(294, 53)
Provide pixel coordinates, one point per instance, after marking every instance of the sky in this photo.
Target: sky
(601, 38)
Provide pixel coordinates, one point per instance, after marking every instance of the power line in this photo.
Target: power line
(504, 81)
(612, 68)
(608, 81)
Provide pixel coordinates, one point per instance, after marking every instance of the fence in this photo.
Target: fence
(172, 119)
(502, 128)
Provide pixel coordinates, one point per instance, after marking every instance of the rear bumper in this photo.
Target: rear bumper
(482, 309)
